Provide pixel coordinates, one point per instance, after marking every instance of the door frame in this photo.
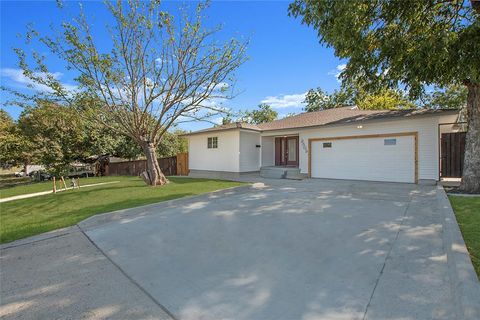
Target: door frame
(283, 158)
(414, 134)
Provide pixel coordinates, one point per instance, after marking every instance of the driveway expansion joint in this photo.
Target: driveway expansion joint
(386, 259)
(164, 309)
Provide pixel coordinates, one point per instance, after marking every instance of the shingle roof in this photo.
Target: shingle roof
(342, 115)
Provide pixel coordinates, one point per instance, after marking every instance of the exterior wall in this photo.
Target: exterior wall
(249, 153)
(223, 158)
(268, 151)
(427, 128)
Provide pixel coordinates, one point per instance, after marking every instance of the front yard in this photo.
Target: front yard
(28, 217)
(467, 211)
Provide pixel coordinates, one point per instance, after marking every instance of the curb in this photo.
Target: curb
(40, 237)
(464, 282)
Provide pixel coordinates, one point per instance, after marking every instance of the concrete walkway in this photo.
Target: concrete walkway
(36, 194)
(313, 249)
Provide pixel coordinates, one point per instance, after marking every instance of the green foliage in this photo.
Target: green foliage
(318, 99)
(15, 148)
(452, 97)
(406, 42)
(227, 119)
(56, 134)
(172, 144)
(263, 114)
(386, 99)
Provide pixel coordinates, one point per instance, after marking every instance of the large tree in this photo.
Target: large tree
(319, 99)
(355, 95)
(15, 149)
(407, 43)
(156, 70)
(263, 114)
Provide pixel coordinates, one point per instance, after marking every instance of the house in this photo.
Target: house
(340, 143)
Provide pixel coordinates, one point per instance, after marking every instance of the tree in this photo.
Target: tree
(56, 134)
(386, 99)
(318, 99)
(155, 72)
(407, 43)
(454, 96)
(227, 119)
(15, 148)
(263, 114)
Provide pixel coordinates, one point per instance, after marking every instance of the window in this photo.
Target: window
(212, 143)
(327, 144)
(389, 142)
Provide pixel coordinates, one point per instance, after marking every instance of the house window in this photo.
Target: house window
(212, 143)
(389, 142)
(327, 144)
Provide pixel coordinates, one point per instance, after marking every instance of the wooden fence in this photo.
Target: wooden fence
(452, 154)
(171, 166)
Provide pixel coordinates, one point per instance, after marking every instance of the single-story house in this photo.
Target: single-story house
(340, 143)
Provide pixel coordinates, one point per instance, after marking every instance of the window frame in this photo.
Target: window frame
(212, 142)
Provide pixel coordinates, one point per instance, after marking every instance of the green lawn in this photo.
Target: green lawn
(6, 192)
(467, 211)
(27, 217)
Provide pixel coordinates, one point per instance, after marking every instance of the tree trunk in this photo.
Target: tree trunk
(471, 165)
(154, 175)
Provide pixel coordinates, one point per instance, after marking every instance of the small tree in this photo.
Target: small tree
(412, 43)
(157, 71)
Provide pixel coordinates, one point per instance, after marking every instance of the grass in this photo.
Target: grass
(467, 211)
(28, 217)
(6, 192)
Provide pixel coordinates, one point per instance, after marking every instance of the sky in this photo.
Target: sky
(285, 57)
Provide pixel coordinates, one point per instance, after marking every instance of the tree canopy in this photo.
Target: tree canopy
(156, 71)
(409, 42)
(264, 113)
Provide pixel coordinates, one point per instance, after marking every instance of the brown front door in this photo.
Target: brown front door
(286, 151)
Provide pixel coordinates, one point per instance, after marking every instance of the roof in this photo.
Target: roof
(342, 115)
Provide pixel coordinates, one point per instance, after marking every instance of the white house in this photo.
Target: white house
(341, 143)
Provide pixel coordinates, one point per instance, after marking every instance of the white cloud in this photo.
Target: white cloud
(338, 70)
(16, 77)
(285, 101)
(217, 120)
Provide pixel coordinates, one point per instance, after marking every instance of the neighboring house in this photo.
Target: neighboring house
(340, 143)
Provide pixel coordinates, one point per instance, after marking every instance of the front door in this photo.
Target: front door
(286, 151)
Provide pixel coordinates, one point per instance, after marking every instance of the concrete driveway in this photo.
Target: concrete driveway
(313, 249)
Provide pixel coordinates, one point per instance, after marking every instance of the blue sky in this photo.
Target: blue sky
(285, 57)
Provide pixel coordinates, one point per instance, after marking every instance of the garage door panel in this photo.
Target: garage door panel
(365, 159)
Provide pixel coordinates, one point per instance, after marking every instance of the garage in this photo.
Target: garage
(389, 157)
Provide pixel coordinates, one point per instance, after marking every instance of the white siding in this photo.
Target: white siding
(365, 159)
(223, 158)
(427, 129)
(268, 151)
(249, 153)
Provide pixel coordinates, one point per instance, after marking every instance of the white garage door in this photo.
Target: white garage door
(375, 159)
